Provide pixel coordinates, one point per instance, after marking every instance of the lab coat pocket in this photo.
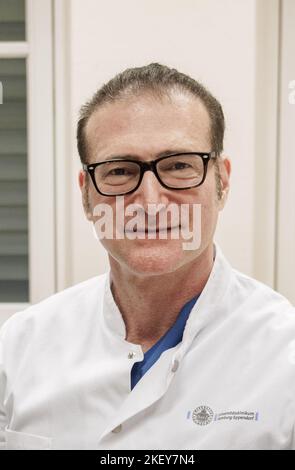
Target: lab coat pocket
(22, 441)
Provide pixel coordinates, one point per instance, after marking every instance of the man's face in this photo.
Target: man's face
(145, 127)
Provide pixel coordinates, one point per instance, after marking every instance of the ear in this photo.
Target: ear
(83, 184)
(81, 178)
(224, 171)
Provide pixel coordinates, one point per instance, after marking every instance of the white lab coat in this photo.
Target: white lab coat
(230, 384)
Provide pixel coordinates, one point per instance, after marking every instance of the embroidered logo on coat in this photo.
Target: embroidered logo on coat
(202, 415)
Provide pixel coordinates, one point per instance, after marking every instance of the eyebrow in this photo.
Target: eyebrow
(137, 157)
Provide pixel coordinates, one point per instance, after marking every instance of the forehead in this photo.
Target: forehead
(146, 125)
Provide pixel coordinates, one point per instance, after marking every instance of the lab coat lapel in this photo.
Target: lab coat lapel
(147, 391)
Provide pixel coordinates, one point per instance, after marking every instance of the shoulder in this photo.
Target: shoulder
(263, 312)
(54, 309)
(258, 293)
(240, 293)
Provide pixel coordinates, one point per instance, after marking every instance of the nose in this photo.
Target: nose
(151, 191)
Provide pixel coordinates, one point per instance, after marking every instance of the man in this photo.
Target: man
(171, 348)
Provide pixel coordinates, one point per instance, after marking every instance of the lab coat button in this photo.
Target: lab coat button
(175, 365)
(117, 429)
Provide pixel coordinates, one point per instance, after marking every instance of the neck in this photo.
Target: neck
(150, 304)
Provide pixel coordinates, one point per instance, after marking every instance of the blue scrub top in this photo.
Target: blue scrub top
(170, 339)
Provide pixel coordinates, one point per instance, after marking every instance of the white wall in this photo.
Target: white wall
(285, 278)
(216, 42)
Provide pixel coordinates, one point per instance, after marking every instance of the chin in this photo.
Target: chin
(152, 259)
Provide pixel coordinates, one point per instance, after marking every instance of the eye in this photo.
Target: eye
(118, 172)
(180, 166)
(176, 166)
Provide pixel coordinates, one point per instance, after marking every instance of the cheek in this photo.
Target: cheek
(209, 218)
(205, 213)
(103, 205)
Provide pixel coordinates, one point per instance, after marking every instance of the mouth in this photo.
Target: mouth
(153, 230)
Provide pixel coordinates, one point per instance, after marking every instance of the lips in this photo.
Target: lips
(152, 230)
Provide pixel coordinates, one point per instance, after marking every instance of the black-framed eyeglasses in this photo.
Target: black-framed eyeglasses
(176, 171)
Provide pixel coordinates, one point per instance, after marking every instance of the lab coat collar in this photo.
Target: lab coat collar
(111, 314)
